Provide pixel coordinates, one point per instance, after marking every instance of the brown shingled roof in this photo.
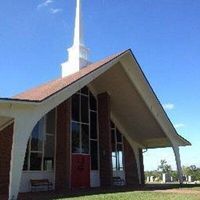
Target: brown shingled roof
(46, 90)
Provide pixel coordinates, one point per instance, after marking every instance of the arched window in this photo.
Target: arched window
(41, 145)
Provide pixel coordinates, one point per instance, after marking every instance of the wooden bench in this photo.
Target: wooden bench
(40, 183)
(118, 181)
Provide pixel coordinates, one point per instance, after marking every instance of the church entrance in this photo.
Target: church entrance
(80, 171)
(84, 140)
(80, 168)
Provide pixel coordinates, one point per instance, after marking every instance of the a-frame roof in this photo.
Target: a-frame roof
(46, 90)
(157, 122)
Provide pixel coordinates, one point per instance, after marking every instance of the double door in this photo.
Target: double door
(80, 171)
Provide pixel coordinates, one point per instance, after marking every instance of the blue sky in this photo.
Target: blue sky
(163, 34)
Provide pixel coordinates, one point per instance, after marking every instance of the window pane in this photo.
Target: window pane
(93, 125)
(119, 147)
(75, 138)
(84, 109)
(94, 155)
(25, 167)
(36, 161)
(119, 157)
(37, 137)
(85, 139)
(50, 122)
(121, 161)
(119, 136)
(76, 107)
(112, 124)
(93, 102)
(49, 153)
(84, 90)
(113, 137)
(114, 161)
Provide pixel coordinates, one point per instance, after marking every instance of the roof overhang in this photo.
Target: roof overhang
(134, 103)
(136, 106)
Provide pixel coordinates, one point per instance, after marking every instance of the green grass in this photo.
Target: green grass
(150, 192)
(137, 196)
(194, 188)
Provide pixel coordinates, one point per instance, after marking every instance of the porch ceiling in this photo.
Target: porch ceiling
(129, 108)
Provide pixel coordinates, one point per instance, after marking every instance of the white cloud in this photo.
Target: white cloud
(55, 10)
(179, 125)
(168, 106)
(45, 3)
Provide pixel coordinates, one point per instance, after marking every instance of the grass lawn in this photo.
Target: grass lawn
(151, 192)
(146, 195)
(194, 189)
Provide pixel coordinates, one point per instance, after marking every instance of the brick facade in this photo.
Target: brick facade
(63, 152)
(6, 139)
(131, 170)
(105, 140)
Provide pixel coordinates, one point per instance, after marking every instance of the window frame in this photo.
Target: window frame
(114, 128)
(44, 128)
(92, 139)
(89, 124)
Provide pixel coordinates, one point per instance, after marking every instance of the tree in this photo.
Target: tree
(174, 175)
(164, 167)
(192, 171)
(186, 171)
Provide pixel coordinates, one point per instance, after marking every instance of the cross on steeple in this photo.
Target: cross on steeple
(78, 53)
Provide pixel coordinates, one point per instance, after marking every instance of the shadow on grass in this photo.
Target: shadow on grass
(98, 191)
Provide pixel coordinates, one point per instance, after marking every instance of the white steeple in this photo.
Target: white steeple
(78, 53)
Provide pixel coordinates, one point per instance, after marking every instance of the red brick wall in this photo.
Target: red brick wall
(6, 138)
(105, 140)
(131, 170)
(63, 151)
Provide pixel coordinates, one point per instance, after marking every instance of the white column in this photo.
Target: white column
(22, 130)
(178, 162)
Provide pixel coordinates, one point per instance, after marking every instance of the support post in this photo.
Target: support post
(105, 140)
(137, 157)
(63, 150)
(178, 163)
(142, 176)
(131, 165)
(22, 131)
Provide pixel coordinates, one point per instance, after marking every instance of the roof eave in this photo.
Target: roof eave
(18, 101)
(183, 141)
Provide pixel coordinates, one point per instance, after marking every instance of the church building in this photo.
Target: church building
(85, 129)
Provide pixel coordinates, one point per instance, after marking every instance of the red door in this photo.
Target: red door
(80, 176)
